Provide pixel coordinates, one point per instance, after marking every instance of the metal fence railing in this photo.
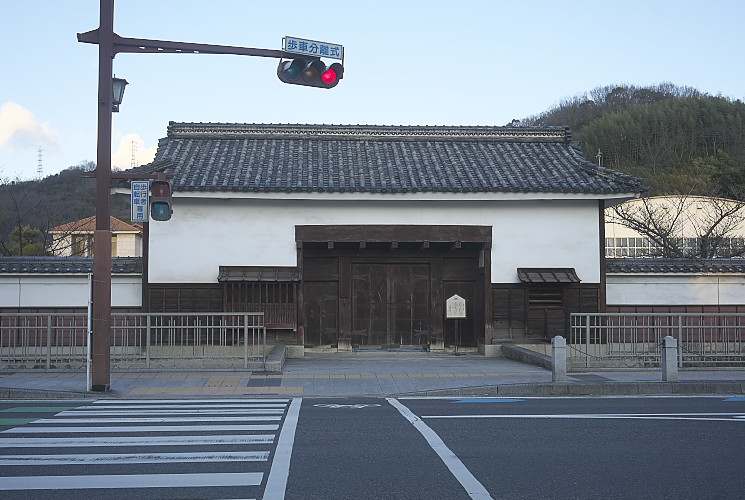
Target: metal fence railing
(48, 340)
(634, 339)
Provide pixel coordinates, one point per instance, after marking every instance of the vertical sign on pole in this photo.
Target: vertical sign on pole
(140, 209)
(455, 308)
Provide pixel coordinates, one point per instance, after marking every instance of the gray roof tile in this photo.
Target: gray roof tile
(380, 159)
(69, 265)
(654, 265)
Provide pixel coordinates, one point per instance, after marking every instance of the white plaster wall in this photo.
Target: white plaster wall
(65, 290)
(669, 289)
(204, 234)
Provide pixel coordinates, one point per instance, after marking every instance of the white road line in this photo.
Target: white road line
(636, 416)
(472, 485)
(130, 481)
(133, 458)
(276, 483)
(96, 413)
(84, 442)
(183, 401)
(29, 429)
(152, 420)
(177, 407)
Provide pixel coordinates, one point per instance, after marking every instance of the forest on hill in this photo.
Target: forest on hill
(679, 140)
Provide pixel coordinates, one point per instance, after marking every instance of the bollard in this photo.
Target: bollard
(669, 359)
(558, 359)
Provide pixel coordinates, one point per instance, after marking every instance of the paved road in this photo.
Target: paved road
(339, 448)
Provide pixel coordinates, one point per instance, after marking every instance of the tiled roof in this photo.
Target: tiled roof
(69, 265)
(380, 159)
(547, 275)
(88, 225)
(652, 265)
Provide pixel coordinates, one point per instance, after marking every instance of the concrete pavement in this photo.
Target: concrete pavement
(372, 374)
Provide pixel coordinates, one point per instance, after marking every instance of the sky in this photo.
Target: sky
(407, 62)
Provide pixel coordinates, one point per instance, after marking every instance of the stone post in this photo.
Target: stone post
(669, 359)
(559, 359)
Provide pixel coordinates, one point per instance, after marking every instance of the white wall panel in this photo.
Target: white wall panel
(205, 234)
(64, 290)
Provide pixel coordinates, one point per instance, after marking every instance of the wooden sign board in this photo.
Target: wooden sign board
(455, 307)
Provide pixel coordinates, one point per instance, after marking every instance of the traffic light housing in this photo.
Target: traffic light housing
(161, 200)
(311, 72)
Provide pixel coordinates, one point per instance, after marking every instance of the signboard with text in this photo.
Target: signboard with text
(140, 192)
(455, 307)
(312, 48)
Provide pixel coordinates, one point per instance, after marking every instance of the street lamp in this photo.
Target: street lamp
(118, 84)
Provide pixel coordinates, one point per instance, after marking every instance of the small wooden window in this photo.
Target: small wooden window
(545, 297)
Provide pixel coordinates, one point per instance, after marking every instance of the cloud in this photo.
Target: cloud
(20, 129)
(132, 145)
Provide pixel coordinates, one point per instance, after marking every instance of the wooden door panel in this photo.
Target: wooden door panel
(390, 303)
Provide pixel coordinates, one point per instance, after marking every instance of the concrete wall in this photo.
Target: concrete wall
(64, 290)
(207, 233)
(675, 289)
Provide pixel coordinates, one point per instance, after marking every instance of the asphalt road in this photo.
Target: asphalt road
(372, 448)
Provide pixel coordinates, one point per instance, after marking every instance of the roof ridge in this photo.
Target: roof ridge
(183, 129)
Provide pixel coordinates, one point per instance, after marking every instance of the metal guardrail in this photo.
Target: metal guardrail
(615, 340)
(48, 340)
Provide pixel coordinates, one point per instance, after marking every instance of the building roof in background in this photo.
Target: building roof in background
(380, 159)
(682, 266)
(88, 225)
(66, 265)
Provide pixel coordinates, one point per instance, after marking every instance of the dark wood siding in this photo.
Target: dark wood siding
(522, 312)
(206, 297)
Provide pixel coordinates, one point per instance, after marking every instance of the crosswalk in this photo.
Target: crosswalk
(181, 449)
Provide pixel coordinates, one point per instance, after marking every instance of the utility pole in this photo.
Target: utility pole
(110, 44)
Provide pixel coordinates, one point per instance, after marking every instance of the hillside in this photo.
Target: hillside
(679, 140)
(31, 208)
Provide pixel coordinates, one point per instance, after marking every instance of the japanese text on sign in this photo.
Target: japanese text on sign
(455, 307)
(140, 191)
(312, 48)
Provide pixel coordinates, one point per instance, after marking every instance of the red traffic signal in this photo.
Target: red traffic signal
(311, 72)
(161, 200)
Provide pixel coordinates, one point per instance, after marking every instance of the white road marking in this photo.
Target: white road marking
(276, 483)
(97, 413)
(151, 420)
(84, 442)
(117, 402)
(130, 481)
(472, 485)
(132, 458)
(30, 429)
(637, 416)
(215, 406)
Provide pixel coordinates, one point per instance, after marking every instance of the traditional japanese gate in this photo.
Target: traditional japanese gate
(390, 304)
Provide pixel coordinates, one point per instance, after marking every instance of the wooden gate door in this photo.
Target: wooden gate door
(390, 304)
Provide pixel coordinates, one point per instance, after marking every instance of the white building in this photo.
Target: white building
(359, 233)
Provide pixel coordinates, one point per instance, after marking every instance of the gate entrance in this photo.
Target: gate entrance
(390, 304)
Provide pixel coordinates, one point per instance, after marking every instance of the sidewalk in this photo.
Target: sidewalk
(376, 375)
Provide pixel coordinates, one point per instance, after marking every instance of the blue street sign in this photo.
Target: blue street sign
(140, 193)
(312, 48)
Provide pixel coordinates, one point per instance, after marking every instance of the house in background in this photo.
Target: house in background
(694, 225)
(75, 239)
(356, 235)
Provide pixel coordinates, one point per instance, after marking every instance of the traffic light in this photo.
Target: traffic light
(310, 71)
(160, 202)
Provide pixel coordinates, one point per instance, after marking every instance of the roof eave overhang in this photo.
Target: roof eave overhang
(386, 197)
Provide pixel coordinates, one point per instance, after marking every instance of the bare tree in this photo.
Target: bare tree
(690, 227)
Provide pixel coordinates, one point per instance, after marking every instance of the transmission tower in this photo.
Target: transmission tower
(133, 161)
(39, 168)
